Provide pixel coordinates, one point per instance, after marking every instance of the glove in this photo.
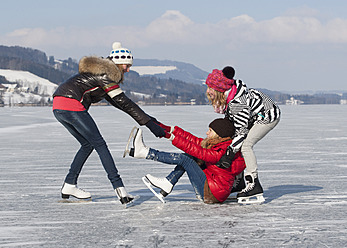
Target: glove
(167, 128)
(226, 160)
(157, 130)
(169, 136)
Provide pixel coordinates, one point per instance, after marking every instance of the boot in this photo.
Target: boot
(123, 196)
(140, 150)
(72, 190)
(239, 183)
(161, 183)
(252, 190)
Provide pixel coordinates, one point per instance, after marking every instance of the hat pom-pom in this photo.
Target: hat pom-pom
(229, 72)
(116, 45)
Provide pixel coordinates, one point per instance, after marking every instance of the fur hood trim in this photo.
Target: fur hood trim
(100, 66)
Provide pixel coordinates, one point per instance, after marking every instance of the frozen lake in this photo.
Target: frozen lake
(302, 168)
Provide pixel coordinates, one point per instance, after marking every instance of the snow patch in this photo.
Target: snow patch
(145, 96)
(152, 70)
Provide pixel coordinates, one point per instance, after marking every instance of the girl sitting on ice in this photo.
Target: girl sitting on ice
(212, 184)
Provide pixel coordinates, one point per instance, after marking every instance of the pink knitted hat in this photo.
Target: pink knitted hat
(217, 81)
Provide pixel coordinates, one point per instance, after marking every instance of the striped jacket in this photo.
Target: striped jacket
(249, 107)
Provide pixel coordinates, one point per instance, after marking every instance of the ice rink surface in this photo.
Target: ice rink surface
(302, 168)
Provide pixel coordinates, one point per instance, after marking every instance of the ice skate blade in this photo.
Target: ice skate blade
(131, 136)
(231, 199)
(76, 200)
(250, 199)
(149, 186)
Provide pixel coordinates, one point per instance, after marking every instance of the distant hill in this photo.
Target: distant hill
(158, 90)
(27, 89)
(147, 88)
(179, 70)
(30, 82)
(150, 81)
(31, 60)
(35, 61)
(23, 53)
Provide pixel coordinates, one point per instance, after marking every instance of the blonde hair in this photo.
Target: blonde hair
(219, 99)
(209, 142)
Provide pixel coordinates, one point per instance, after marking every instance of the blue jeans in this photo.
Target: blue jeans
(185, 163)
(82, 126)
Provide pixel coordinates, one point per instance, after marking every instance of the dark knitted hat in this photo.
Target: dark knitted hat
(223, 127)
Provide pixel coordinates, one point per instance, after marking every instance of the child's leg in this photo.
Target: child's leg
(176, 174)
(196, 176)
(168, 158)
(184, 163)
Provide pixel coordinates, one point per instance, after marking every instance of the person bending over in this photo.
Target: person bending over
(98, 79)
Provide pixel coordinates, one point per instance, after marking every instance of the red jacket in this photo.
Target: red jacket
(219, 180)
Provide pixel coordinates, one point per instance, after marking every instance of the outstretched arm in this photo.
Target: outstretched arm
(122, 102)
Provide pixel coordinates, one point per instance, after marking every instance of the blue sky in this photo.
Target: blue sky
(286, 45)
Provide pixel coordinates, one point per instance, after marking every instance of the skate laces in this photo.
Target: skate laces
(249, 187)
(140, 142)
(141, 139)
(82, 190)
(161, 183)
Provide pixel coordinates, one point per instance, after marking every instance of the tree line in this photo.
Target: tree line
(160, 91)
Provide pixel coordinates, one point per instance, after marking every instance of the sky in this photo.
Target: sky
(287, 45)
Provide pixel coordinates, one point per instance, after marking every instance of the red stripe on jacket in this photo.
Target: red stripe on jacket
(70, 104)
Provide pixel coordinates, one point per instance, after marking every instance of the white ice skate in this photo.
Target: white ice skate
(72, 190)
(140, 149)
(131, 136)
(149, 186)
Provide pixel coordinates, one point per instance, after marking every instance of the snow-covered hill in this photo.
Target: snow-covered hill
(28, 88)
(152, 70)
(28, 80)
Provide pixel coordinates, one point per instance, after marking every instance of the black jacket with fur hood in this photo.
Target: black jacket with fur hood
(99, 79)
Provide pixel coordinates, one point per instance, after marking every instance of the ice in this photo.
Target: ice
(302, 168)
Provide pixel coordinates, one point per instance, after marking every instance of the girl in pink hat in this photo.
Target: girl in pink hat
(254, 115)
